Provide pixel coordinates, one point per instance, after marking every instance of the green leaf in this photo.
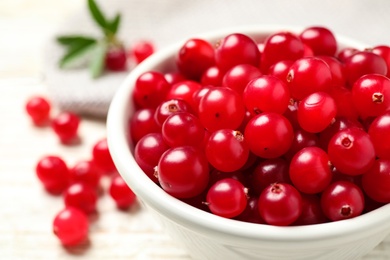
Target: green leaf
(98, 15)
(76, 51)
(114, 24)
(69, 40)
(96, 65)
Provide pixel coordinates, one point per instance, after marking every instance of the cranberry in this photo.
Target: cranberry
(85, 171)
(379, 132)
(384, 52)
(371, 95)
(307, 76)
(142, 122)
(123, 196)
(116, 59)
(71, 226)
(38, 108)
(362, 63)
(151, 88)
(376, 181)
(266, 94)
(142, 50)
(238, 77)
(277, 130)
(227, 198)
(320, 40)
(176, 161)
(311, 211)
(280, 46)
(212, 76)
(235, 49)
(195, 57)
(342, 200)
(53, 172)
(169, 107)
(221, 108)
(351, 151)
(81, 196)
(66, 125)
(316, 112)
(184, 90)
(280, 204)
(101, 156)
(227, 150)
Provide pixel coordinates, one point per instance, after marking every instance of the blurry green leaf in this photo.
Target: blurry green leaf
(96, 65)
(70, 40)
(114, 24)
(98, 15)
(76, 51)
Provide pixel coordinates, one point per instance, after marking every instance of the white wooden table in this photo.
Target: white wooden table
(26, 210)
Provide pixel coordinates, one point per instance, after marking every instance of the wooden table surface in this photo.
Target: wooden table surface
(26, 210)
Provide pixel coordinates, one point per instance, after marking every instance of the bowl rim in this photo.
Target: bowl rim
(203, 222)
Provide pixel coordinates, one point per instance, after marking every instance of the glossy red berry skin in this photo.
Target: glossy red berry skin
(280, 204)
(320, 40)
(212, 76)
(384, 52)
(308, 75)
(195, 57)
(227, 198)
(280, 69)
(82, 196)
(337, 69)
(141, 50)
(236, 49)
(183, 172)
(280, 46)
(227, 150)
(38, 108)
(141, 123)
(169, 107)
(184, 90)
(121, 193)
(376, 181)
(66, 125)
(85, 171)
(221, 108)
(151, 88)
(310, 170)
(342, 96)
(101, 157)
(316, 112)
(189, 126)
(268, 172)
(53, 173)
(351, 151)
(342, 200)
(116, 59)
(71, 226)
(371, 95)
(345, 53)
(302, 139)
(362, 63)
(269, 135)
(238, 77)
(311, 211)
(379, 132)
(266, 94)
(148, 151)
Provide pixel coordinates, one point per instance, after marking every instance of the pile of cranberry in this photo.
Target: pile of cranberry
(292, 130)
(79, 184)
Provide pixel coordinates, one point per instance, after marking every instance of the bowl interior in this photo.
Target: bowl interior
(208, 224)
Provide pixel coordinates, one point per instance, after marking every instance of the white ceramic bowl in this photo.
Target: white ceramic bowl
(208, 236)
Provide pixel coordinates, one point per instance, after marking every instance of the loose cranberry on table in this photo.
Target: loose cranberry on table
(81, 196)
(66, 125)
(53, 173)
(85, 171)
(71, 226)
(101, 156)
(120, 192)
(38, 108)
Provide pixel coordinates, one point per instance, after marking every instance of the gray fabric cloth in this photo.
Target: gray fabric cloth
(167, 21)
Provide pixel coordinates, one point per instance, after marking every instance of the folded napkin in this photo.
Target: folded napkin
(165, 22)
